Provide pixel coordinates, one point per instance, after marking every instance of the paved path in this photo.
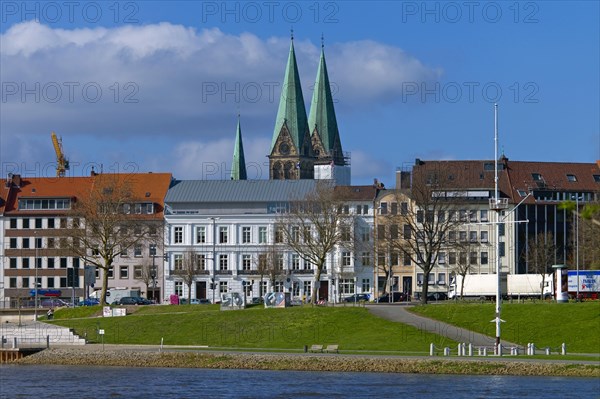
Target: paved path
(399, 314)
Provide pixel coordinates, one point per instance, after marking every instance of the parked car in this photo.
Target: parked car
(357, 298)
(396, 297)
(257, 300)
(195, 301)
(132, 300)
(433, 296)
(89, 302)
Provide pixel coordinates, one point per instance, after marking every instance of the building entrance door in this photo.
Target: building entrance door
(200, 289)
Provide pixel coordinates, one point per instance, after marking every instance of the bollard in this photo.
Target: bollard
(431, 349)
(47, 342)
(563, 349)
(446, 351)
(459, 349)
(14, 342)
(470, 349)
(484, 351)
(305, 348)
(547, 351)
(499, 350)
(161, 344)
(479, 351)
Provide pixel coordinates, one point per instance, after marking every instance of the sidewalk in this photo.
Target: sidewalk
(398, 313)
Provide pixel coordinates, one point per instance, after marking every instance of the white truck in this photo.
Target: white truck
(112, 294)
(516, 286)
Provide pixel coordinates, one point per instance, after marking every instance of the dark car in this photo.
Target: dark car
(433, 296)
(132, 300)
(357, 298)
(396, 297)
(203, 301)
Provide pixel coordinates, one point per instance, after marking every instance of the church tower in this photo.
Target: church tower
(331, 162)
(291, 156)
(238, 165)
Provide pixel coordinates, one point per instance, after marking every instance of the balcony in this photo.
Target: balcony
(499, 204)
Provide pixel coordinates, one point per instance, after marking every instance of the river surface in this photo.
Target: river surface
(24, 381)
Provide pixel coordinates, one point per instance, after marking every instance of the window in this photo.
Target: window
(50, 263)
(223, 235)
(441, 278)
(441, 216)
(307, 288)
(25, 263)
(223, 262)
(278, 286)
(123, 252)
(597, 178)
(38, 223)
(63, 263)
(346, 259)
(262, 261)
(473, 258)
(12, 283)
(50, 282)
(296, 289)
(25, 282)
(463, 236)
(126, 208)
(383, 208)
(394, 208)
(262, 235)
(178, 235)
(223, 287)
(452, 236)
(365, 234)
(13, 263)
(472, 236)
(442, 258)
(137, 272)
(179, 288)
(111, 272)
(295, 262)
(50, 243)
(152, 249)
(279, 235)
(178, 261)
(25, 243)
(366, 285)
(394, 259)
(246, 234)
(25, 223)
(419, 278)
(462, 258)
(462, 215)
(63, 282)
(13, 243)
(63, 223)
(200, 234)
(381, 260)
(347, 286)
(380, 232)
(123, 272)
(483, 236)
(404, 208)
(138, 208)
(13, 223)
(483, 215)
(502, 249)
(365, 258)
(406, 260)
(295, 234)
(279, 261)
(246, 262)
(452, 258)
(200, 262)
(38, 263)
(502, 229)
(420, 216)
(484, 258)
(394, 231)
(75, 223)
(537, 177)
(472, 216)
(345, 233)
(137, 250)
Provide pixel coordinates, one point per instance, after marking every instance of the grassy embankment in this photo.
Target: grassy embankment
(352, 328)
(544, 324)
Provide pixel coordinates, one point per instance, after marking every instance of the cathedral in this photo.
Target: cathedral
(302, 148)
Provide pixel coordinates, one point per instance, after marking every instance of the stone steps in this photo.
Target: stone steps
(37, 334)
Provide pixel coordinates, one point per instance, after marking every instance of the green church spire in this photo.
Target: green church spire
(238, 166)
(291, 111)
(322, 114)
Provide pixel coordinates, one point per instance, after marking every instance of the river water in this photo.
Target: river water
(22, 381)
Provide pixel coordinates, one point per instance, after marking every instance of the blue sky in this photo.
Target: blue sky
(157, 86)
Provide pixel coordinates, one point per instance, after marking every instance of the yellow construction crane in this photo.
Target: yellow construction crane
(62, 164)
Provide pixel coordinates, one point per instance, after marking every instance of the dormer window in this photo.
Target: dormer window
(597, 178)
(571, 178)
(537, 177)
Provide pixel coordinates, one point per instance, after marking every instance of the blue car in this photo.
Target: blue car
(89, 302)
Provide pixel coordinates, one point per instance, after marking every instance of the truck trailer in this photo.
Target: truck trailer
(516, 286)
(112, 294)
(588, 281)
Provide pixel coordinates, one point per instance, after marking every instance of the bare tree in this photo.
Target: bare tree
(147, 274)
(463, 264)
(314, 226)
(541, 254)
(427, 213)
(104, 225)
(188, 268)
(269, 263)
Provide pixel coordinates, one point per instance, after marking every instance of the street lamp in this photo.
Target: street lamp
(214, 258)
(35, 285)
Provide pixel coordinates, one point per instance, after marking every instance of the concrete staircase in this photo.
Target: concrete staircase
(37, 334)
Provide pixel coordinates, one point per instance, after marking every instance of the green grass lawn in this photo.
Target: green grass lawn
(544, 324)
(352, 328)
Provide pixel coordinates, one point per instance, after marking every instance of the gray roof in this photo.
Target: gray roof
(238, 190)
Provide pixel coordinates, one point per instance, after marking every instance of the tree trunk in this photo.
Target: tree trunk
(189, 293)
(315, 288)
(462, 287)
(104, 285)
(543, 285)
(425, 289)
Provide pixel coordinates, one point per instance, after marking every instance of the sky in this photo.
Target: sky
(158, 86)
